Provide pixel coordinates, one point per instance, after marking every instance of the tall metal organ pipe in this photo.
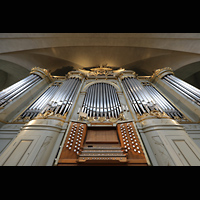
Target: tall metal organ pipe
(9, 94)
(140, 99)
(147, 98)
(40, 103)
(63, 99)
(166, 106)
(184, 88)
(101, 100)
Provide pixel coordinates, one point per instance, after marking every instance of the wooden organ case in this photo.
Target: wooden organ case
(118, 145)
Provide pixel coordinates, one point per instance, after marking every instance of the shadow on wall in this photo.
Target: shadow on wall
(190, 73)
(11, 73)
(62, 71)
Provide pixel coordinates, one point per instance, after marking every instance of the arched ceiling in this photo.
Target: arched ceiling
(61, 52)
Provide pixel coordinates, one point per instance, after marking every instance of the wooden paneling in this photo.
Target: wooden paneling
(103, 135)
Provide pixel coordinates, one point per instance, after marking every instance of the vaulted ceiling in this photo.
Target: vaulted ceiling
(62, 52)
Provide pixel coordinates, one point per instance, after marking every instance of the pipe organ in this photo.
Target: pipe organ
(100, 117)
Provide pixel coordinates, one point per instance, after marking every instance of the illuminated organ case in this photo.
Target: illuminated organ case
(100, 117)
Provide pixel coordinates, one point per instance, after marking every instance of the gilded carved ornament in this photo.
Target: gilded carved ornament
(127, 74)
(49, 113)
(102, 119)
(154, 113)
(161, 72)
(74, 74)
(42, 73)
(102, 70)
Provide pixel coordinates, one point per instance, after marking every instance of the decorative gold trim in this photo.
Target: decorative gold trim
(154, 114)
(43, 73)
(101, 119)
(82, 116)
(113, 119)
(91, 119)
(161, 72)
(126, 74)
(48, 114)
(121, 116)
(75, 74)
(102, 70)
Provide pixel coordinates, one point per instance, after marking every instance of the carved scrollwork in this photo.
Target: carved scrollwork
(161, 72)
(153, 113)
(42, 73)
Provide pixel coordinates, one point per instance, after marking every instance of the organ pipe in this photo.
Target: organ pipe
(63, 98)
(147, 98)
(101, 100)
(140, 99)
(165, 105)
(9, 94)
(40, 103)
(184, 88)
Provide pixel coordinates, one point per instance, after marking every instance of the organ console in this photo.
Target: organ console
(100, 117)
(122, 147)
